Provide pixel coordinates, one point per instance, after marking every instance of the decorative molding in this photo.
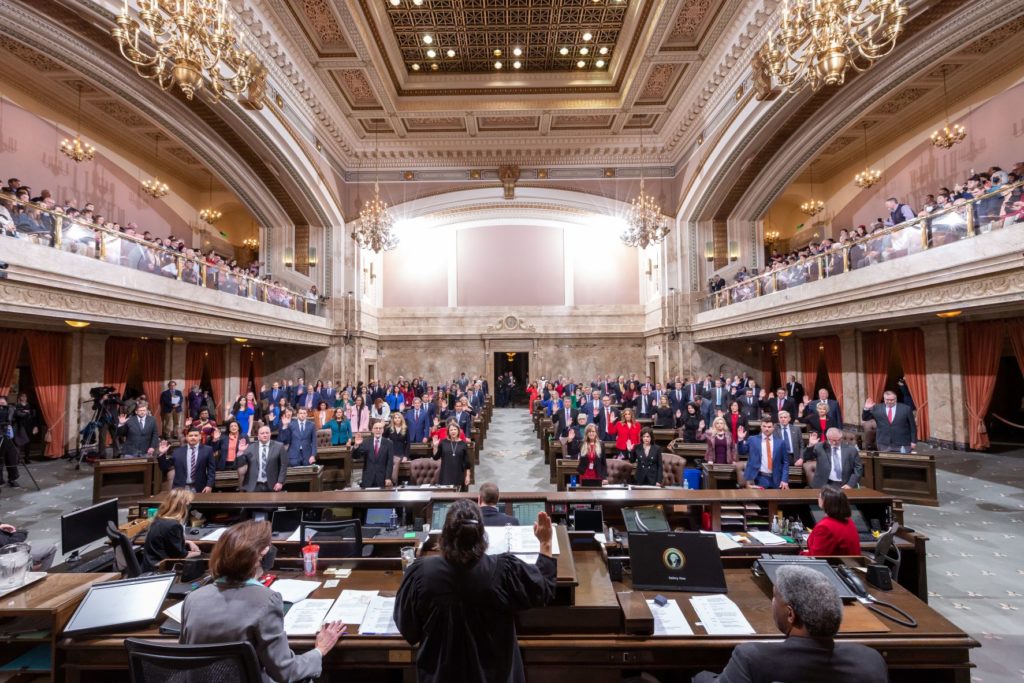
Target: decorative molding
(511, 323)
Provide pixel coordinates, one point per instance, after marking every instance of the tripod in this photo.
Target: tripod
(89, 436)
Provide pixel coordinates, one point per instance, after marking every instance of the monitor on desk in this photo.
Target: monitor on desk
(438, 513)
(589, 520)
(676, 561)
(859, 521)
(285, 521)
(82, 527)
(526, 512)
(120, 605)
(379, 517)
(646, 518)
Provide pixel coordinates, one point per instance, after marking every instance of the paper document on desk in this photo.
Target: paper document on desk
(725, 541)
(379, 619)
(766, 538)
(669, 619)
(215, 534)
(350, 607)
(295, 535)
(720, 616)
(174, 611)
(305, 618)
(516, 539)
(294, 590)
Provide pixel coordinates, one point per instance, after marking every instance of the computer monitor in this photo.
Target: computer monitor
(285, 521)
(646, 518)
(88, 525)
(379, 516)
(859, 521)
(120, 605)
(337, 538)
(526, 512)
(437, 514)
(589, 520)
(676, 561)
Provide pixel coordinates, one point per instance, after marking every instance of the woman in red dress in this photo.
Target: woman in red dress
(532, 392)
(836, 534)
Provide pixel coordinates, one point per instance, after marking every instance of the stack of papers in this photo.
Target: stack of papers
(516, 539)
(350, 607)
(305, 617)
(379, 619)
(725, 541)
(294, 590)
(766, 538)
(215, 534)
(669, 619)
(720, 616)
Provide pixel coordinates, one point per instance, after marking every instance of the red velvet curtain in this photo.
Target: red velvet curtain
(215, 366)
(811, 355)
(1015, 328)
(151, 360)
(49, 371)
(982, 347)
(10, 351)
(194, 361)
(117, 356)
(766, 364)
(877, 348)
(251, 360)
(209, 357)
(834, 366)
(911, 348)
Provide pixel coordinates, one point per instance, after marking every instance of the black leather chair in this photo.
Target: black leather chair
(887, 552)
(125, 559)
(161, 662)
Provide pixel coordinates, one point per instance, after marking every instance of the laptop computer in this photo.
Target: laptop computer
(590, 483)
(284, 523)
(686, 561)
(863, 528)
(646, 518)
(589, 520)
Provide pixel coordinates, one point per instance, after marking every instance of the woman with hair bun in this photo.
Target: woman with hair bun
(460, 607)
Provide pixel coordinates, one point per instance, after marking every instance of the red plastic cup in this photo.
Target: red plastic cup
(310, 554)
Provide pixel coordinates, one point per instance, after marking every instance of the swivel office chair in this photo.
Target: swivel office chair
(886, 551)
(159, 662)
(125, 559)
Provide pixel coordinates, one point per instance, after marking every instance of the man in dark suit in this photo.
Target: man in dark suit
(299, 436)
(768, 459)
(807, 608)
(378, 461)
(171, 402)
(718, 396)
(646, 406)
(274, 394)
(678, 397)
(792, 433)
(897, 429)
(605, 417)
(190, 465)
(838, 463)
(418, 420)
(488, 502)
(463, 417)
(269, 464)
(795, 390)
(750, 405)
(776, 402)
(139, 432)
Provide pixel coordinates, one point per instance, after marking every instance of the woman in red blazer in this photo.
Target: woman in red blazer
(626, 433)
(836, 534)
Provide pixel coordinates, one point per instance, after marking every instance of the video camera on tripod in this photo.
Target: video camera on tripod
(102, 396)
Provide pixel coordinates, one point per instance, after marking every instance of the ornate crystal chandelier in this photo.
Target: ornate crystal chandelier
(251, 243)
(374, 229)
(645, 224)
(812, 207)
(154, 187)
(947, 137)
(210, 215)
(819, 40)
(77, 150)
(188, 43)
(869, 176)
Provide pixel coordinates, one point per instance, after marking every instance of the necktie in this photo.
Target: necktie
(262, 476)
(192, 463)
(785, 436)
(837, 465)
(769, 463)
(607, 417)
(416, 415)
(780, 404)
(376, 446)
(889, 411)
(643, 404)
(142, 422)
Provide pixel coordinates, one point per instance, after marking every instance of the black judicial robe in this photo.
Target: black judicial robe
(464, 618)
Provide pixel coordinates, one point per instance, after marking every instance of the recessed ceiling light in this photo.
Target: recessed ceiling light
(564, 51)
(396, 3)
(517, 64)
(417, 2)
(451, 53)
(497, 52)
(415, 67)
(518, 52)
(599, 64)
(431, 53)
(434, 67)
(603, 50)
(587, 36)
(581, 64)
(584, 51)
(498, 65)
(428, 39)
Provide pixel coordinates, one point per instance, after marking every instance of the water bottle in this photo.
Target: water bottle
(394, 519)
(686, 483)
(903, 450)
(572, 482)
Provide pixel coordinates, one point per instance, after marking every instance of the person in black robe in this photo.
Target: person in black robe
(454, 456)
(460, 607)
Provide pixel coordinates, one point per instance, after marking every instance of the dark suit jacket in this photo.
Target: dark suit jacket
(602, 426)
(780, 459)
(165, 401)
(796, 392)
(751, 409)
(796, 660)
(771, 406)
(139, 439)
(418, 429)
(277, 465)
(796, 440)
(376, 468)
(716, 401)
(833, 411)
(206, 467)
(494, 517)
(853, 468)
(651, 407)
(465, 420)
(902, 431)
(300, 445)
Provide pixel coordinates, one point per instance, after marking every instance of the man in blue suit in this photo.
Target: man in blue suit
(274, 394)
(299, 436)
(191, 465)
(418, 419)
(768, 458)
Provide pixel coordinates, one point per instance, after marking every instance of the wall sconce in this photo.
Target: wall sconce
(77, 324)
(312, 256)
(734, 251)
(289, 257)
(709, 251)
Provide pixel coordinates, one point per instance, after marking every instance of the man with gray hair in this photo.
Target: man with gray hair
(837, 463)
(807, 609)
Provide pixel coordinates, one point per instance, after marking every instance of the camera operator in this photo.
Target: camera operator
(109, 409)
(8, 451)
(26, 425)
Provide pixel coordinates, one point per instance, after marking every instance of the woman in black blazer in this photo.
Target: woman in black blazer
(454, 456)
(646, 456)
(820, 422)
(165, 538)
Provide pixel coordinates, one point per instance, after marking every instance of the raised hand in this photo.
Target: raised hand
(679, 414)
(812, 439)
(763, 395)
(122, 420)
(701, 425)
(542, 528)
(358, 439)
(869, 404)
(571, 436)
(741, 432)
(263, 388)
(629, 445)
(216, 434)
(285, 421)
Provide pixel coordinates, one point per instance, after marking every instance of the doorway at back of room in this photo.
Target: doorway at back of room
(518, 363)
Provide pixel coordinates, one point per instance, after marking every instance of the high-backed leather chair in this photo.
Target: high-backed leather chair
(323, 438)
(424, 471)
(619, 471)
(672, 469)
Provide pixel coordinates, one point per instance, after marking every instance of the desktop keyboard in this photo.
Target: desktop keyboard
(102, 561)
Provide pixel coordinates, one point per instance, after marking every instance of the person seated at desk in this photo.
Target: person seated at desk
(460, 607)
(165, 538)
(592, 463)
(235, 607)
(454, 456)
(646, 456)
(808, 610)
(488, 502)
(836, 534)
(378, 461)
(42, 554)
(768, 461)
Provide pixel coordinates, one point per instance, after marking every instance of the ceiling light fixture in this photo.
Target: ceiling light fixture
(191, 43)
(450, 53)
(431, 53)
(498, 65)
(497, 52)
(812, 207)
(869, 176)
(599, 64)
(948, 314)
(517, 65)
(210, 215)
(819, 40)
(434, 67)
(154, 187)
(396, 3)
(375, 228)
(517, 52)
(418, 3)
(587, 37)
(580, 64)
(947, 137)
(415, 67)
(76, 150)
(251, 243)
(603, 51)
(428, 39)
(584, 51)
(564, 51)
(645, 223)
(77, 324)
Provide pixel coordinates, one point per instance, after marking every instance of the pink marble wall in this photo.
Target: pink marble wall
(514, 265)
(29, 151)
(605, 271)
(995, 137)
(416, 273)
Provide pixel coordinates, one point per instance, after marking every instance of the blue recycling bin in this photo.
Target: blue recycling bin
(693, 477)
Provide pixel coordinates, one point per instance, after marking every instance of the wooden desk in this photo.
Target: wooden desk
(911, 476)
(127, 479)
(337, 464)
(724, 476)
(308, 478)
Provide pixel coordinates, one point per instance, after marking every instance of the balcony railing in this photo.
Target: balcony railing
(53, 229)
(959, 222)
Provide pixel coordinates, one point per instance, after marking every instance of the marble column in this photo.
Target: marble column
(852, 398)
(946, 411)
(85, 370)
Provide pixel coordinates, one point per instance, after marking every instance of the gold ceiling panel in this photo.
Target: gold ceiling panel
(473, 36)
